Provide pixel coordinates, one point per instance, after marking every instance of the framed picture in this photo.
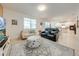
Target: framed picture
(14, 22)
(73, 27)
(41, 23)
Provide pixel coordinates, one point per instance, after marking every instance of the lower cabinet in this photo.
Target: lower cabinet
(1, 51)
(5, 50)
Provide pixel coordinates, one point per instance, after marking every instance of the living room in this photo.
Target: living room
(30, 19)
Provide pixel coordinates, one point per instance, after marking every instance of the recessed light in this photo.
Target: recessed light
(42, 7)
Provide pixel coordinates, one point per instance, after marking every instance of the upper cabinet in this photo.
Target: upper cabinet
(1, 10)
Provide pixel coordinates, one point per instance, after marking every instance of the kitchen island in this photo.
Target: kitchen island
(3, 40)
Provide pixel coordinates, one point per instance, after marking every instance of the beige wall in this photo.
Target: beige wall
(13, 31)
(1, 10)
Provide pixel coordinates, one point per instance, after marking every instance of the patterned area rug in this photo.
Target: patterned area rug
(47, 48)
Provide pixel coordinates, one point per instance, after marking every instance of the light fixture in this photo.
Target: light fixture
(42, 7)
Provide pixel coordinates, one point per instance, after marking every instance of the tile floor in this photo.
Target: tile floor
(47, 48)
(69, 39)
(66, 38)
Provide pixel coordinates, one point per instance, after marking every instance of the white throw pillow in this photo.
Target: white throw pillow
(33, 41)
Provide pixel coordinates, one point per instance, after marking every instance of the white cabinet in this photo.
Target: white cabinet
(5, 49)
(1, 51)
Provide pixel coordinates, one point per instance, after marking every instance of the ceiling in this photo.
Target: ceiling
(53, 9)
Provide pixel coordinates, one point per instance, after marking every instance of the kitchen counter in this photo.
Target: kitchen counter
(3, 40)
(3, 45)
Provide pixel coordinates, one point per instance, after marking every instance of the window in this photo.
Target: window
(29, 24)
(47, 25)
